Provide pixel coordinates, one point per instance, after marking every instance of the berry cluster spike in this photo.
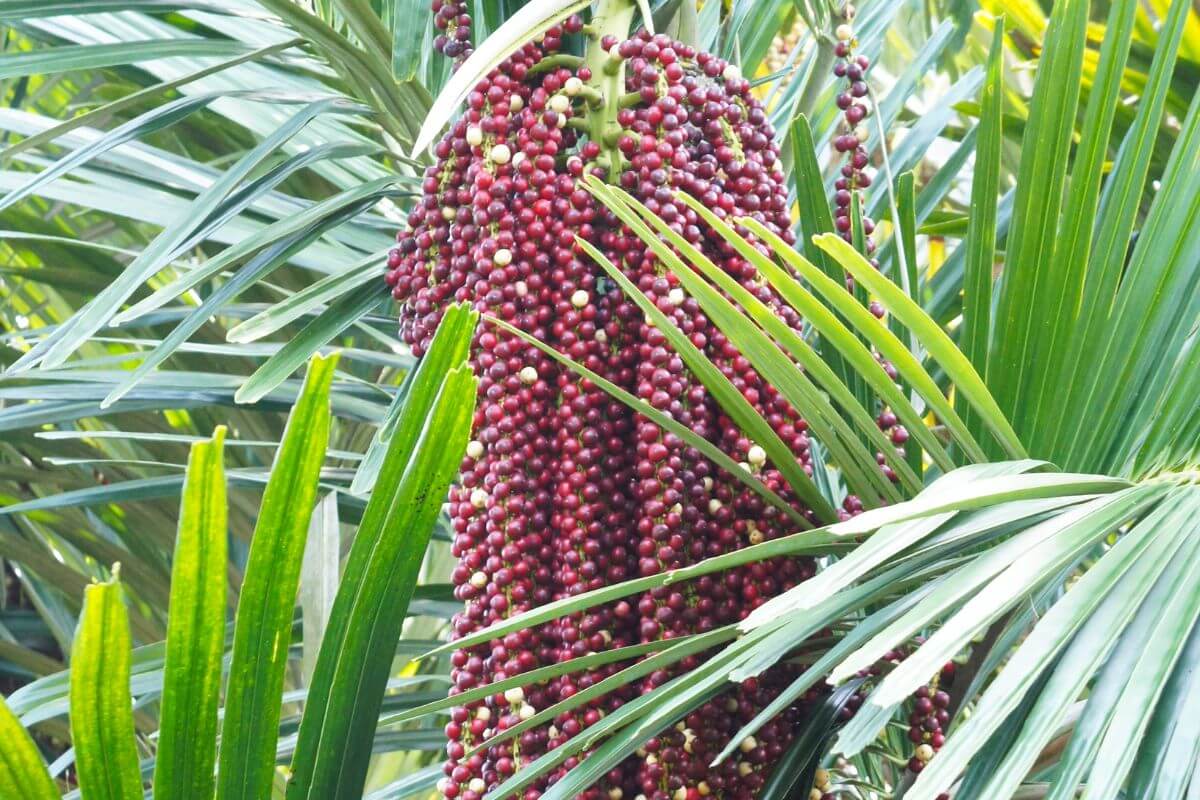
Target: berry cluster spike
(453, 21)
(854, 103)
(563, 489)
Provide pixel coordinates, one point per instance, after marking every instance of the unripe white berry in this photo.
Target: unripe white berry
(500, 154)
(474, 136)
(756, 455)
(676, 296)
(479, 580)
(559, 103)
(580, 298)
(748, 744)
(731, 72)
(515, 103)
(503, 257)
(573, 86)
(479, 498)
(475, 449)
(528, 375)
(844, 32)
(515, 695)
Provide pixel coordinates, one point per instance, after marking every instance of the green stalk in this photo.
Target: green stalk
(612, 17)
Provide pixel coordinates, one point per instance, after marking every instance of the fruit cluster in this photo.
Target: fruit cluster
(851, 141)
(928, 719)
(564, 489)
(453, 21)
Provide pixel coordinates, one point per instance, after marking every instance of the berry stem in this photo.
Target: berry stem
(610, 23)
(551, 63)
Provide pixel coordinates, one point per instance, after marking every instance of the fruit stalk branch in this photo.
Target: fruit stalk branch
(610, 23)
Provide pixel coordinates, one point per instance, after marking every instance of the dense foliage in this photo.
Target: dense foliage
(813, 389)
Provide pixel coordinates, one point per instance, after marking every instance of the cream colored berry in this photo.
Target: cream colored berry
(475, 449)
(479, 580)
(474, 136)
(479, 498)
(515, 695)
(500, 154)
(844, 32)
(676, 296)
(756, 455)
(502, 257)
(559, 103)
(528, 375)
(580, 298)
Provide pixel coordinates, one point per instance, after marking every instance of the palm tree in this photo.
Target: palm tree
(198, 200)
